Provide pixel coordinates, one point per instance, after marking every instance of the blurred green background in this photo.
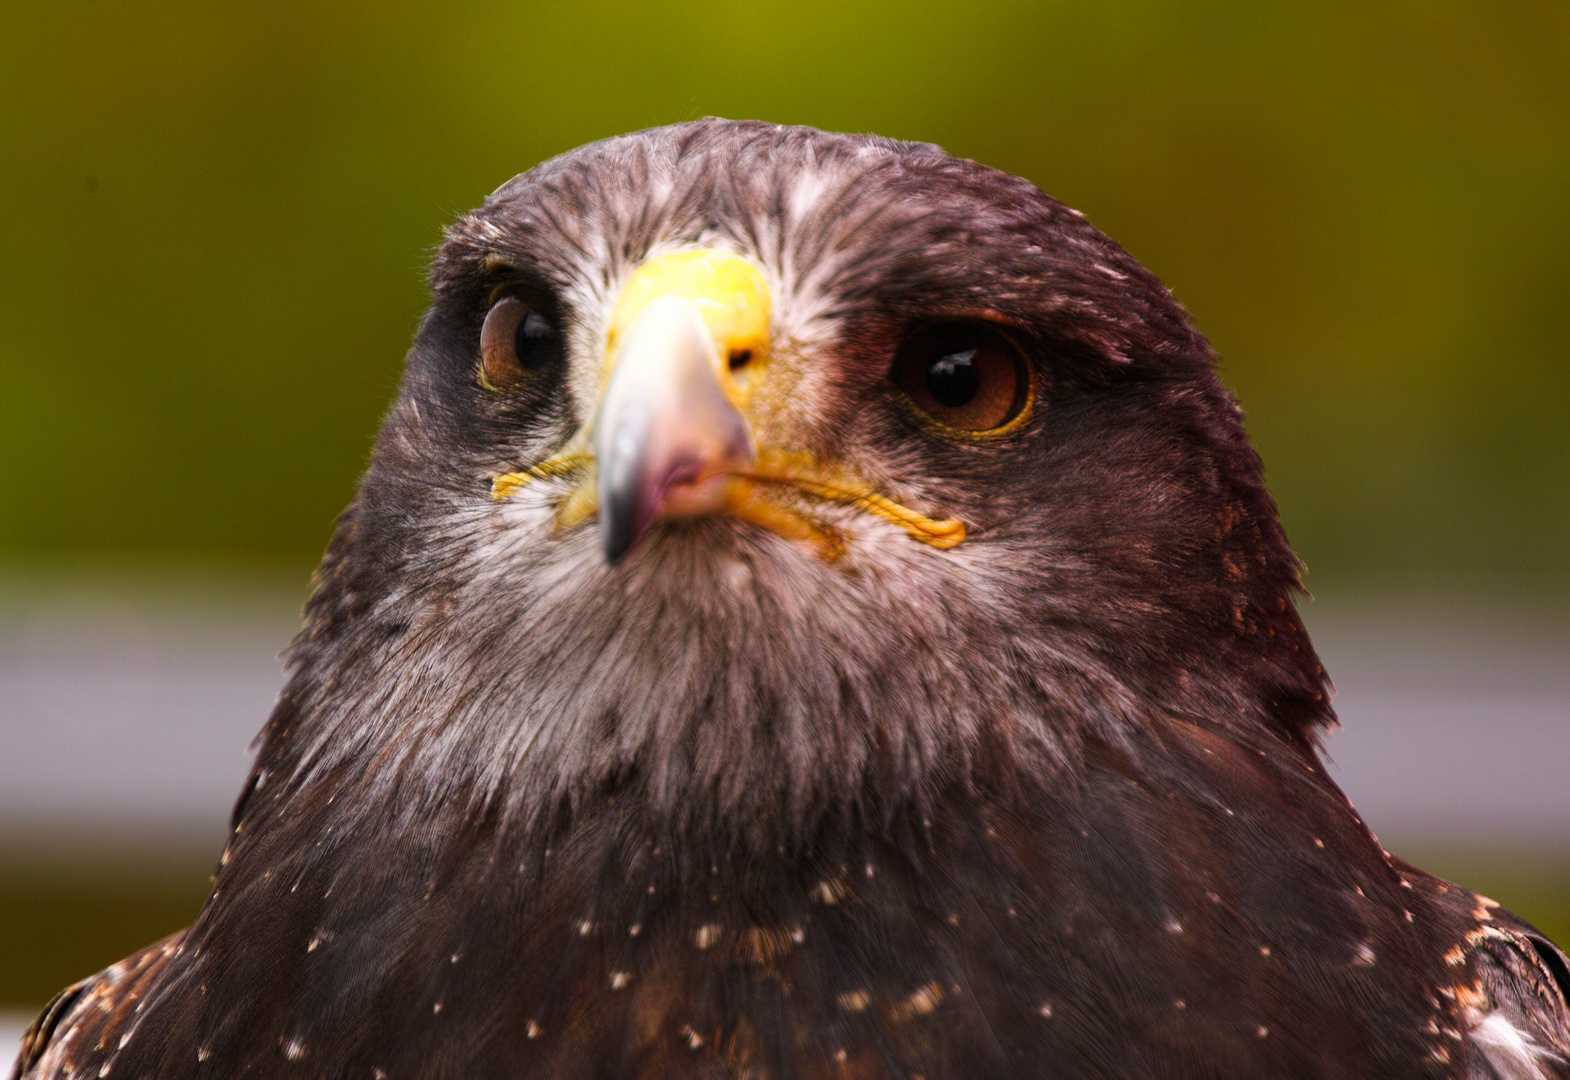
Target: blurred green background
(213, 221)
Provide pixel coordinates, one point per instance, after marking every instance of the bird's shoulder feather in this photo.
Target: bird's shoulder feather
(1511, 986)
(91, 1018)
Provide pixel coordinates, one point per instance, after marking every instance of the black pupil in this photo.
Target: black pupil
(952, 378)
(535, 342)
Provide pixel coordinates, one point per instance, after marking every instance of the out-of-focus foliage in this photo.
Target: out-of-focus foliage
(60, 921)
(213, 219)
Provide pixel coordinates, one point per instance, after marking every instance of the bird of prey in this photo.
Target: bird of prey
(812, 611)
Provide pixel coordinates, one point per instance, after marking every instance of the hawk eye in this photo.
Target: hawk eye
(516, 341)
(964, 376)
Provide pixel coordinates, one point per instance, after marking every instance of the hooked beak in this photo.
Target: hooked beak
(667, 438)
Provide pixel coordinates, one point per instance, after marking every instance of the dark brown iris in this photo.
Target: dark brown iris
(965, 376)
(516, 342)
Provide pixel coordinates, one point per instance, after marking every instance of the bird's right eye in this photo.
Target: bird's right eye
(516, 342)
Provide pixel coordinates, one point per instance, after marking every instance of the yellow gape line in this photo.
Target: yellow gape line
(939, 533)
(778, 467)
(745, 502)
(506, 484)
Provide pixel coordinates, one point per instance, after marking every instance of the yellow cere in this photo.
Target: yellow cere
(728, 291)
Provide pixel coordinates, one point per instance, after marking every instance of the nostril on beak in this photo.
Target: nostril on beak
(740, 358)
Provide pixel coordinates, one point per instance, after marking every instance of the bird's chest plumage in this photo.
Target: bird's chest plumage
(1107, 928)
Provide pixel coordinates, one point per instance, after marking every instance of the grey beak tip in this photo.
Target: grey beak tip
(624, 517)
(616, 542)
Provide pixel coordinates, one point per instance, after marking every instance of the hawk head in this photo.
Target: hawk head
(754, 469)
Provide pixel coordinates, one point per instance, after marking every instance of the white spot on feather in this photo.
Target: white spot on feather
(924, 1000)
(828, 892)
(854, 1002)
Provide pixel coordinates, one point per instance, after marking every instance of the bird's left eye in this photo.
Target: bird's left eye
(966, 376)
(516, 341)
